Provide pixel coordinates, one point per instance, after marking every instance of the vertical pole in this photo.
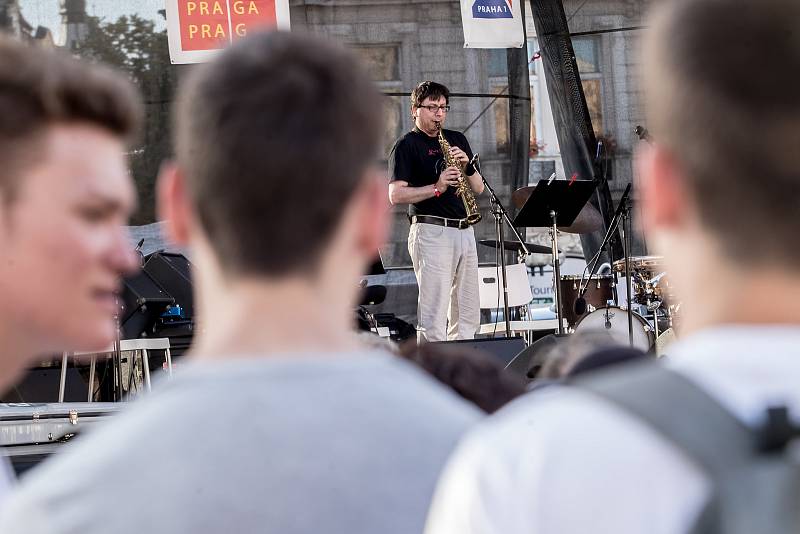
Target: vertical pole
(626, 230)
(63, 381)
(557, 272)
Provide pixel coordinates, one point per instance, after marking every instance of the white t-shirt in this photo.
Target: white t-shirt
(561, 460)
(343, 443)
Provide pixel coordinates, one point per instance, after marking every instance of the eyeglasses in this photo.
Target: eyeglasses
(433, 108)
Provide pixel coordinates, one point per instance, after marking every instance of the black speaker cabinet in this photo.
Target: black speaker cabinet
(42, 385)
(143, 303)
(173, 273)
(502, 349)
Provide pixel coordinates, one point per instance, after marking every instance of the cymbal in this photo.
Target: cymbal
(516, 247)
(588, 220)
(520, 196)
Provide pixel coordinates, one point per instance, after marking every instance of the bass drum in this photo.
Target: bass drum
(615, 321)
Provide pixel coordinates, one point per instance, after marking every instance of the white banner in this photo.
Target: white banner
(198, 29)
(492, 24)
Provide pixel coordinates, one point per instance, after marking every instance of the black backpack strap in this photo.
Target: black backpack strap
(678, 410)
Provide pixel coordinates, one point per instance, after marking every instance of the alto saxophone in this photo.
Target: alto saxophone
(463, 189)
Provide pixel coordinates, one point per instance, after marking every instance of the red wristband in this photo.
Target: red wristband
(436, 191)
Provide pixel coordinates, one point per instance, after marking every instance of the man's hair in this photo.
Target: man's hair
(722, 86)
(41, 88)
(275, 136)
(474, 375)
(429, 89)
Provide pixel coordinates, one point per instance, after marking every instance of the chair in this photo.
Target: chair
(490, 286)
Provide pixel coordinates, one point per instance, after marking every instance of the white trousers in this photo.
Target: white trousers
(446, 265)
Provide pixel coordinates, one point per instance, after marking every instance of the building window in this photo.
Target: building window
(587, 56)
(383, 65)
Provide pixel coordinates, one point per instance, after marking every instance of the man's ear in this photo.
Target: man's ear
(662, 190)
(173, 203)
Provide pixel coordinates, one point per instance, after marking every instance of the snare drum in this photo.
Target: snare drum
(615, 321)
(598, 292)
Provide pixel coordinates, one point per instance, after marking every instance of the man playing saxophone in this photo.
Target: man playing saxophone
(441, 240)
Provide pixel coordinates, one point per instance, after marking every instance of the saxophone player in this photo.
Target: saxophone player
(441, 240)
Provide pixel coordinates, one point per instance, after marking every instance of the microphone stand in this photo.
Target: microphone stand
(626, 243)
(500, 214)
(622, 213)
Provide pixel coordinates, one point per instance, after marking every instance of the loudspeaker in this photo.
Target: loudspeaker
(502, 349)
(143, 303)
(529, 362)
(173, 273)
(42, 385)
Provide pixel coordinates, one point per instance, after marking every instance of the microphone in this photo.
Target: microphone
(597, 154)
(475, 163)
(622, 202)
(643, 134)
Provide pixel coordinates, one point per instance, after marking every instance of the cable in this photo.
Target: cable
(536, 55)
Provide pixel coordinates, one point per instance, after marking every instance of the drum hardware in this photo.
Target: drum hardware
(549, 203)
(621, 214)
(614, 319)
(598, 292)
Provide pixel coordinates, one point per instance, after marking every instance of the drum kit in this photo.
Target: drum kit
(591, 301)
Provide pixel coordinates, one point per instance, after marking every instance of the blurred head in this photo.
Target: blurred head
(720, 187)
(277, 161)
(472, 374)
(584, 351)
(65, 194)
(429, 105)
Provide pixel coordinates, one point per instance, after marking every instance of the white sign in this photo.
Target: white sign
(492, 23)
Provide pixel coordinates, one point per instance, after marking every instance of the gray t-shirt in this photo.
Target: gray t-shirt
(341, 444)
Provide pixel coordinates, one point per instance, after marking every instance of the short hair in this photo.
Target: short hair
(722, 89)
(42, 87)
(474, 375)
(429, 89)
(274, 137)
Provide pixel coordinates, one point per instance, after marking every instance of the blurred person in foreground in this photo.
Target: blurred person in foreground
(279, 421)
(720, 186)
(65, 194)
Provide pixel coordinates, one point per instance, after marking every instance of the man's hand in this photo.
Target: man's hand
(449, 177)
(459, 155)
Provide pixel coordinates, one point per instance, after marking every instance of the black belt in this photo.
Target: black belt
(461, 224)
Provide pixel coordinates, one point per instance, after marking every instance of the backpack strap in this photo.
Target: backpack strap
(679, 410)
(709, 435)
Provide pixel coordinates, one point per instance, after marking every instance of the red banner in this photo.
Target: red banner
(199, 27)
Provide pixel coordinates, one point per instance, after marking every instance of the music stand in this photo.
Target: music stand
(555, 203)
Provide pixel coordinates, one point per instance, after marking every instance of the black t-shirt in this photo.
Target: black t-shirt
(416, 158)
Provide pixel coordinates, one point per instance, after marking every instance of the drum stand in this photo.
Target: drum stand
(556, 270)
(623, 214)
(626, 246)
(551, 203)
